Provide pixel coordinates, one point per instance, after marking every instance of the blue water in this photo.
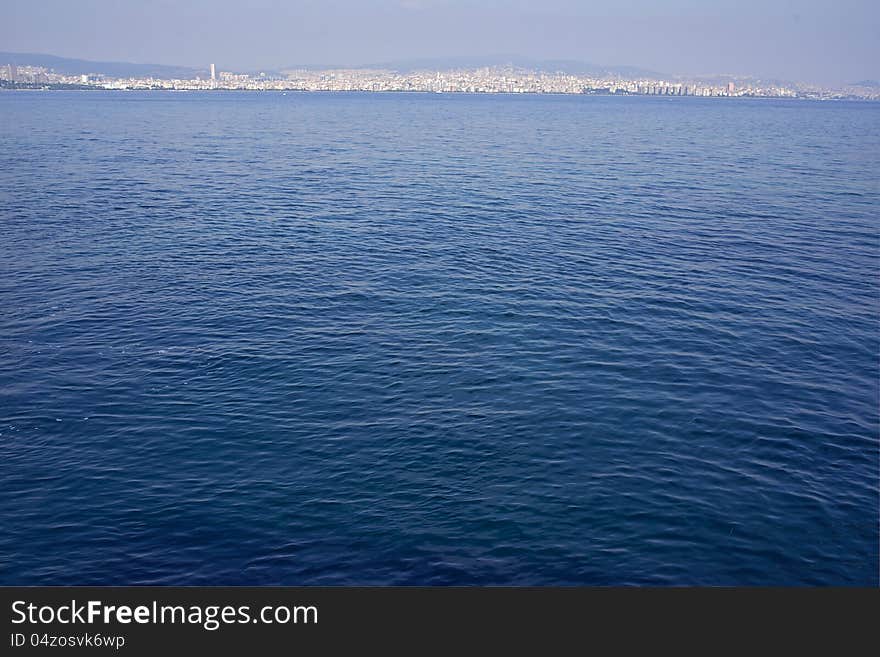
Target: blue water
(423, 339)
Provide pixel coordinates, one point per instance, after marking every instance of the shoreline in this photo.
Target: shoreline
(87, 88)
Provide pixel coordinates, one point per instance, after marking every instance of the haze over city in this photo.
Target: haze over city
(813, 40)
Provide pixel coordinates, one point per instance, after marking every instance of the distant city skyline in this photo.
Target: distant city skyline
(24, 71)
(809, 40)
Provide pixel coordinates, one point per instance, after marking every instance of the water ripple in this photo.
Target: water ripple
(352, 339)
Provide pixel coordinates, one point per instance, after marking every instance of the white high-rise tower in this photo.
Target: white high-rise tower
(213, 72)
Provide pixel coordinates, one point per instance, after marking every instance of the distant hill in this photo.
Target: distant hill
(572, 67)
(569, 66)
(66, 66)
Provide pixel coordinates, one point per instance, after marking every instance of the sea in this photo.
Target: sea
(422, 339)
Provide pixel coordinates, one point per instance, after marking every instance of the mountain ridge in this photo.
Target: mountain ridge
(75, 66)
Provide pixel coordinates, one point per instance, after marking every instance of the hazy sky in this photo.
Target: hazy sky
(820, 40)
